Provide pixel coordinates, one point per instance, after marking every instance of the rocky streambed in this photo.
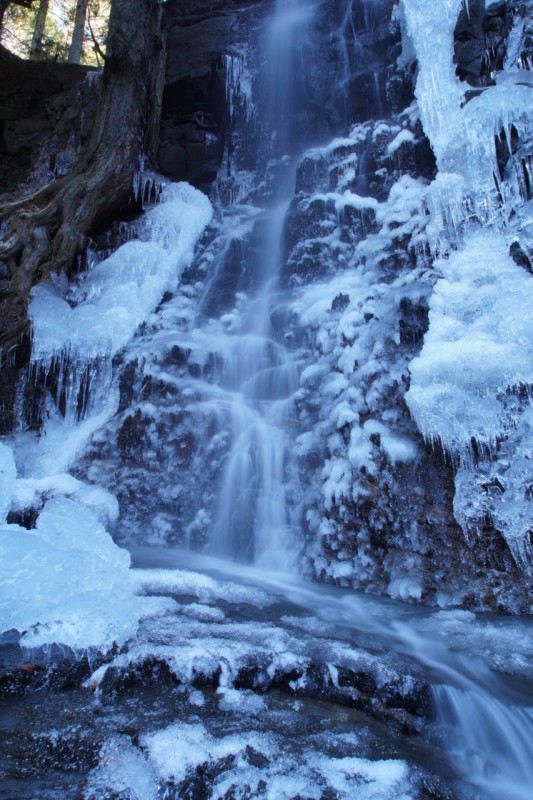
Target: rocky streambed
(243, 685)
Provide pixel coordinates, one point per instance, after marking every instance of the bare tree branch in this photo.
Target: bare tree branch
(96, 45)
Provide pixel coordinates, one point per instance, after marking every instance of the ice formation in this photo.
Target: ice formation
(178, 749)
(206, 589)
(72, 582)
(8, 473)
(470, 386)
(352, 322)
(99, 314)
(239, 94)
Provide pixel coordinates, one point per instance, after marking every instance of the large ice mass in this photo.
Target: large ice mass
(71, 584)
(64, 581)
(100, 313)
(470, 386)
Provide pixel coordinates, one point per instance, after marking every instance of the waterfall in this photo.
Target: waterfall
(259, 374)
(489, 741)
(285, 68)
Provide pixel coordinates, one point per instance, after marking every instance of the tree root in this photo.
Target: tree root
(46, 231)
(46, 238)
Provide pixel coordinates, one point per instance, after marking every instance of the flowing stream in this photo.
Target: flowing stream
(484, 720)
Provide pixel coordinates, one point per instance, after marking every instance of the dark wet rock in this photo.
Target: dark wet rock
(521, 257)
(340, 302)
(506, 144)
(70, 751)
(480, 39)
(20, 679)
(404, 704)
(133, 437)
(202, 679)
(496, 26)
(307, 261)
(312, 173)
(67, 675)
(178, 355)
(253, 676)
(56, 676)
(469, 42)
(416, 157)
(413, 321)
(256, 758)
(194, 122)
(374, 41)
(118, 682)
(26, 517)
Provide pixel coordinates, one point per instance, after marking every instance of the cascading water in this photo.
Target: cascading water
(259, 374)
(488, 740)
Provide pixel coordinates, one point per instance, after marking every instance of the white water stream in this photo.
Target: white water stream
(484, 720)
(259, 374)
(259, 379)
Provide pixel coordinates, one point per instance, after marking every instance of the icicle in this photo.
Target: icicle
(93, 77)
(239, 94)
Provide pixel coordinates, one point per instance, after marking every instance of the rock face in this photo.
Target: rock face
(480, 40)
(52, 104)
(46, 116)
(40, 101)
(194, 119)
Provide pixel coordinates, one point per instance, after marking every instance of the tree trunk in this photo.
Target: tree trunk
(76, 45)
(36, 48)
(3, 8)
(4, 5)
(46, 231)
